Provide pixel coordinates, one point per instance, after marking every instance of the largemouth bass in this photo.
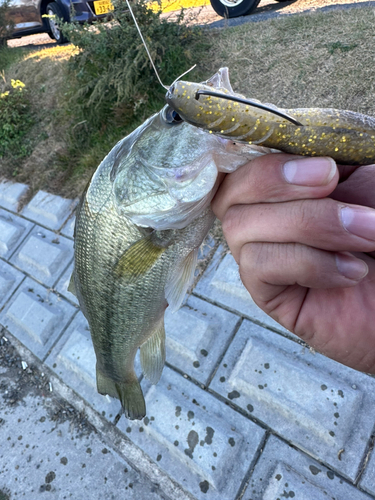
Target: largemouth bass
(138, 228)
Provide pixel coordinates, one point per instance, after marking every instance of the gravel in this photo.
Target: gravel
(40, 41)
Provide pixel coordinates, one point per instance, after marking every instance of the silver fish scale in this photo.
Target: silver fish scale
(100, 242)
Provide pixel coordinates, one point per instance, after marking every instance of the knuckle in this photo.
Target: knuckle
(253, 258)
(313, 216)
(252, 252)
(231, 222)
(303, 215)
(262, 177)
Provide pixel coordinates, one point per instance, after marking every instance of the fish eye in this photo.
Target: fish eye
(170, 116)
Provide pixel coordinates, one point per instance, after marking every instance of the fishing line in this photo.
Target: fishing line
(248, 102)
(207, 92)
(183, 74)
(144, 43)
(149, 55)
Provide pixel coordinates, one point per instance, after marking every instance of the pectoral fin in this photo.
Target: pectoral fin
(139, 258)
(153, 354)
(129, 392)
(180, 281)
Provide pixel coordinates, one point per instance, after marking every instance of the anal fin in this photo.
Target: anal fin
(129, 392)
(153, 354)
(177, 286)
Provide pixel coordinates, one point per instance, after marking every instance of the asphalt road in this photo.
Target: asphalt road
(207, 16)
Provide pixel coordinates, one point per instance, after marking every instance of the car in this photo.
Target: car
(235, 8)
(39, 16)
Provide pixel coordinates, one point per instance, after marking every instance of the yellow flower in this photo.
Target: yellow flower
(4, 94)
(17, 83)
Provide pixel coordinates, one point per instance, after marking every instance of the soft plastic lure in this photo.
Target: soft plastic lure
(345, 136)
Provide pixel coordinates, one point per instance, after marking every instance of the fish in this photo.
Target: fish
(345, 136)
(139, 225)
(146, 211)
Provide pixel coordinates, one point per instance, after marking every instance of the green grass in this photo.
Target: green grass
(296, 61)
(113, 86)
(10, 56)
(300, 61)
(16, 120)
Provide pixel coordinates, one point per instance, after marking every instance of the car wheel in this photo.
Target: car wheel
(234, 8)
(53, 11)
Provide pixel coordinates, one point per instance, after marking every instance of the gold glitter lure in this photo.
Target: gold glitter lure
(345, 136)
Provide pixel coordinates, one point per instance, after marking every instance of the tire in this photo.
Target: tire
(234, 8)
(53, 29)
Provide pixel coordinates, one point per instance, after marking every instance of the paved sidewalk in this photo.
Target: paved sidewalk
(243, 409)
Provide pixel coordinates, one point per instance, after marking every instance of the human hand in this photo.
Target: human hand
(292, 247)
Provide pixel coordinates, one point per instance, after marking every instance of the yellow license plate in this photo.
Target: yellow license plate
(102, 6)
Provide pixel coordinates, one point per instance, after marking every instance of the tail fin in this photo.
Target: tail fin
(129, 392)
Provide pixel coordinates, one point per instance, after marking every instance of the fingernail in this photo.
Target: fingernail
(351, 267)
(359, 221)
(309, 171)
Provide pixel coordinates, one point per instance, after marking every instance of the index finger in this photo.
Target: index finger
(274, 178)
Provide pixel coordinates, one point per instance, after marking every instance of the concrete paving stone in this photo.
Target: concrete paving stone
(197, 336)
(321, 406)
(44, 255)
(11, 194)
(73, 359)
(41, 455)
(222, 284)
(283, 472)
(49, 210)
(13, 230)
(68, 227)
(367, 481)
(199, 441)
(36, 316)
(63, 283)
(10, 278)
